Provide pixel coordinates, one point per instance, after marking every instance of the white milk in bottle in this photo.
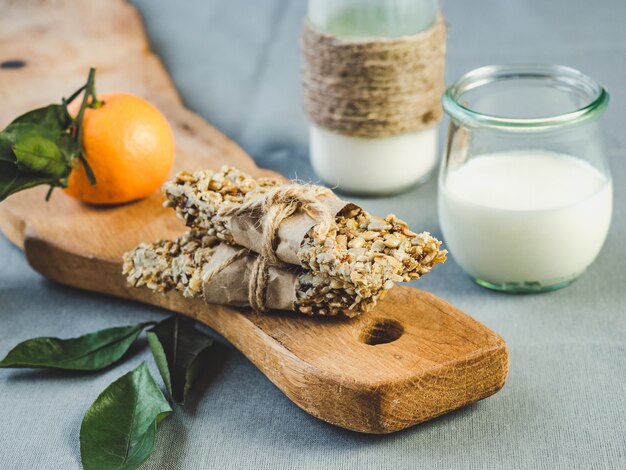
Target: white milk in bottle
(380, 165)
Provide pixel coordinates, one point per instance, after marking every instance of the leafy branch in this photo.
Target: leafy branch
(44, 145)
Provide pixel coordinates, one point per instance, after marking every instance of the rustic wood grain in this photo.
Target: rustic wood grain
(413, 358)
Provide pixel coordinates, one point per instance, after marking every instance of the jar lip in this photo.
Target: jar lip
(496, 73)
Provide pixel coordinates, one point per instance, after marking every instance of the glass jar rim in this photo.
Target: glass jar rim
(498, 73)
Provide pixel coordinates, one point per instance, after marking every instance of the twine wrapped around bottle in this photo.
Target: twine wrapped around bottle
(374, 88)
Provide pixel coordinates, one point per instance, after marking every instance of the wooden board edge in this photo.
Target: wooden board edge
(12, 227)
(472, 378)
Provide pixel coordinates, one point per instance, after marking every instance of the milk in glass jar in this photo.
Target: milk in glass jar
(525, 193)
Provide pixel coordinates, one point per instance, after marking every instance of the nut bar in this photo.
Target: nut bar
(183, 263)
(170, 264)
(362, 251)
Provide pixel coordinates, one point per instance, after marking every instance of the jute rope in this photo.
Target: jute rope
(258, 278)
(275, 206)
(374, 88)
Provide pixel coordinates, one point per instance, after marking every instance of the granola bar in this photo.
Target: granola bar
(181, 264)
(170, 264)
(367, 253)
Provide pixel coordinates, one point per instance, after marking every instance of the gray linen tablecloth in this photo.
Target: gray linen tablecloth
(236, 62)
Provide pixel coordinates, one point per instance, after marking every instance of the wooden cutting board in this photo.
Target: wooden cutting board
(413, 358)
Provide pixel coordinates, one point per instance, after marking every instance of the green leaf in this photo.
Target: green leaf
(119, 428)
(54, 116)
(93, 351)
(36, 149)
(12, 179)
(179, 350)
(50, 122)
(6, 152)
(35, 153)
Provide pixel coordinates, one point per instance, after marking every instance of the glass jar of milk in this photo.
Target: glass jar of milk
(372, 165)
(525, 193)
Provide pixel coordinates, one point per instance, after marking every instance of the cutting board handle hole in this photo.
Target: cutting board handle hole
(381, 331)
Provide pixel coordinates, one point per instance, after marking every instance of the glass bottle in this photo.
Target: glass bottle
(372, 165)
(525, 192)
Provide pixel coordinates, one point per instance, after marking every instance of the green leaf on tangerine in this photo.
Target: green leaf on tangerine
(53, 117)
(12, 179)
(37, 154)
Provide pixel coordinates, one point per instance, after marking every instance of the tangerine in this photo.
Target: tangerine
(129, 145)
